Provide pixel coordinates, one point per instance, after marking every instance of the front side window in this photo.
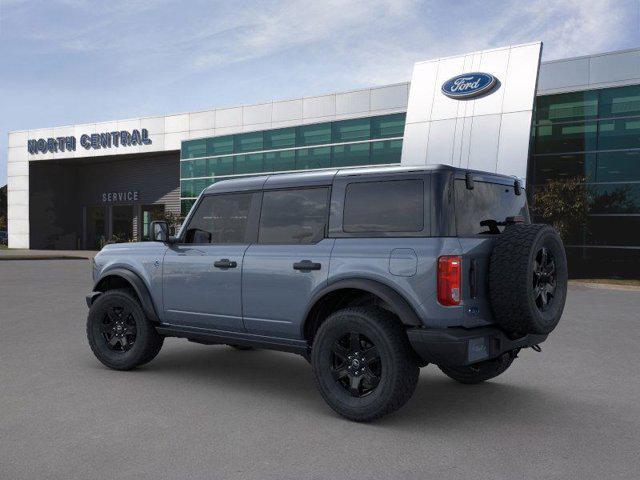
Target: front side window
(220, 219)
(388, 206)
(294, 217)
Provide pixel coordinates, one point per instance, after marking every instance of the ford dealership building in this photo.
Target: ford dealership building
(79, 186)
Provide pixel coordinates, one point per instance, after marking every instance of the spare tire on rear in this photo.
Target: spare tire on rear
(528, 279)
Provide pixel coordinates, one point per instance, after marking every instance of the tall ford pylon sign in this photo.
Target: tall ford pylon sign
(473, 110)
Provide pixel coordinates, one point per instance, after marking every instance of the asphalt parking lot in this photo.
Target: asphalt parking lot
(572, 411)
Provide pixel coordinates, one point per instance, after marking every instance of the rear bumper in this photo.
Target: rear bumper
(461, 346)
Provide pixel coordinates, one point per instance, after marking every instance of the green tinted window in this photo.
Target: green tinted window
(193, 168)
(620, 102)
(194, 148)
(280, 161)
(618, 166)
(554, 167)
(185, 206)
(573, 137)
(567, 107)
(388, 126)
(186, 188)
(280, 138)
(614, 198)
(307, 158)
(388, 151)
(313, 134)
(220, 166)
(199, 186)
(220, 145)
(350, 155)
(248, 142)
(352, 130)
(252, 163)
(615, 134)
(186, 169)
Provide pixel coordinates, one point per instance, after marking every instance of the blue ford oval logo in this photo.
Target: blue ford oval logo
(469, 85)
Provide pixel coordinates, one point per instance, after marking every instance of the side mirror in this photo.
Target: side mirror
(159, 231)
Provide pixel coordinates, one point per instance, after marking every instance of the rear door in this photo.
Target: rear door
(202, 274)
(289, 262)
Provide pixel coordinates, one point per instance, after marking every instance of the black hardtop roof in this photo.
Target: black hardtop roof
(326, 177)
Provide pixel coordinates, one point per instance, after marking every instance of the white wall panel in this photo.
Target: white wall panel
(392, 96)
(17, 168)
(314, 107)
(253, 114)
(415, 143)
(287, 111)
(494, 62)
(202, 120)
(513, 146)
(18, 139)
(154, 125)
(483, 142)
(441, 141)
(422, 92)
(176, 123)
(520, 83)
(173, 141)
(229, 117)
(17, 154)
(18, 240)
(210, 132)
(352, 102)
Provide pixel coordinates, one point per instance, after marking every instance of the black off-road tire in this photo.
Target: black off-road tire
(515, 277)
(480, 372)
(147, 342)
(396, 362)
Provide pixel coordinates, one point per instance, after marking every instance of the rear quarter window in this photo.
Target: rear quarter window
(487, 201)
(384, 206)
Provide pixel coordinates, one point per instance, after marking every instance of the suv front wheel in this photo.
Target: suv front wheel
(363, 364)
(119, 333)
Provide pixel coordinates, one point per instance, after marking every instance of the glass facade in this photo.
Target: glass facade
(362, 141)
(593, 136)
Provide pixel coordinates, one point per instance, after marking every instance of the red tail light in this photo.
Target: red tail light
(449, 268)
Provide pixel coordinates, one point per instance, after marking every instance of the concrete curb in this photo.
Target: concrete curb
(606, 286)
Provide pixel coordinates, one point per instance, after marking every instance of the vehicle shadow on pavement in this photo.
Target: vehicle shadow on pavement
(438, 402)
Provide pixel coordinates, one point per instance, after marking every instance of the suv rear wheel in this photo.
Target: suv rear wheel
(363, 364)
(119, 333)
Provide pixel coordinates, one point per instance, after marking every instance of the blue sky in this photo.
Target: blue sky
(72, 61)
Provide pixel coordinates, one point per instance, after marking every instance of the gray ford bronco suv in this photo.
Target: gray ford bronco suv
(369, 273)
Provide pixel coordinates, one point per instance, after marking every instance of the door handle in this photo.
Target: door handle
(225, 263)
(306, 265)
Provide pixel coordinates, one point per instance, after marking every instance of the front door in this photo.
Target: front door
(202, 272)
(289, 262)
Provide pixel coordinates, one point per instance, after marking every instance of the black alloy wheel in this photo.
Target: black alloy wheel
(363, 363)
(544, 279)
(119, 328)
(119, 333)
(356, 364)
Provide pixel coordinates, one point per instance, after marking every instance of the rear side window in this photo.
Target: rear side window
(487, 201)
(220, 219)
(294, 217)
(386, 206)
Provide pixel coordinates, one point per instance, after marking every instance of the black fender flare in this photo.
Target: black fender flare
(136, 283)
(395, 300)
